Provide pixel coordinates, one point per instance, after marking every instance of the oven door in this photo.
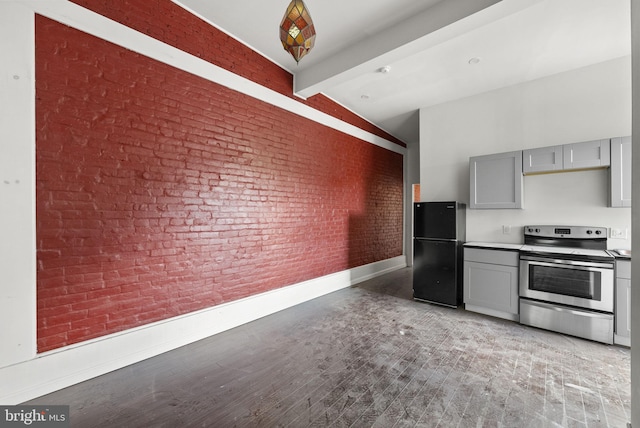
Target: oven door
(581, 284)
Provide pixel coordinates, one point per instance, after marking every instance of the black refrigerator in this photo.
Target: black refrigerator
(438, 239)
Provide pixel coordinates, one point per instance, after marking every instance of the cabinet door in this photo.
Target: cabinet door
(620, 172)
(542, 160)
(623, 307)
(490, 286)
(496, 180)
(590, 154)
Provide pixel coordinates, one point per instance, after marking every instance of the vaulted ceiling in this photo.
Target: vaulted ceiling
(435, 50)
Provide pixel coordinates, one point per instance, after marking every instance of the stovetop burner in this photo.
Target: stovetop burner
(567, 251)
(581, 242)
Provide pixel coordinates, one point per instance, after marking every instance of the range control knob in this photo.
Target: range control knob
(589, 232)
(537, 230)
(598, 232)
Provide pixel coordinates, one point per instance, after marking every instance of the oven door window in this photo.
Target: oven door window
(568, 282)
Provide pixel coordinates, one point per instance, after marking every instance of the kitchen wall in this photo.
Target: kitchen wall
(580, 105)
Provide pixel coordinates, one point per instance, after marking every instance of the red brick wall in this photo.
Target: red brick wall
(160, 193)
(171, 24)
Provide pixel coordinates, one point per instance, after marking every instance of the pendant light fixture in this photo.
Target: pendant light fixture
(297, 32)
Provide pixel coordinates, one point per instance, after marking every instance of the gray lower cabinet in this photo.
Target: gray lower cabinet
(491, 282)
(622, 335)
(496, 181)
(620, 171)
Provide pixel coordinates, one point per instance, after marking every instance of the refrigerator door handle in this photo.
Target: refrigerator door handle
(434, 239)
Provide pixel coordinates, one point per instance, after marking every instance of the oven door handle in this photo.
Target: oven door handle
(545, 261)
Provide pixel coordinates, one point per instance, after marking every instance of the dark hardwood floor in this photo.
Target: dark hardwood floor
(368, 356)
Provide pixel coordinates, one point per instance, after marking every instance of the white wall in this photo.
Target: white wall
(17, 186)
(585, 104)
(635, 264)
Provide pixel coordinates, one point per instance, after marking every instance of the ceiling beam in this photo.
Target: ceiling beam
(443, 21)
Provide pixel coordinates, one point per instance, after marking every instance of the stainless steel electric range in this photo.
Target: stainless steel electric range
(567, 281)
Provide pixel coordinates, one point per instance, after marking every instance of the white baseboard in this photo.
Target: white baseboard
(58, 369)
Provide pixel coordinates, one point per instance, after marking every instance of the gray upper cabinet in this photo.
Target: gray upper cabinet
(589, 154)
(496, 181)
(620, 172)
(544, 159)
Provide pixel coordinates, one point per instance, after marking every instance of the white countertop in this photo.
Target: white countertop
(517, 247)
(496, 245)
(621, 256)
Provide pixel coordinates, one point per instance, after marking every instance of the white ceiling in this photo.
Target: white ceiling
(427, 44)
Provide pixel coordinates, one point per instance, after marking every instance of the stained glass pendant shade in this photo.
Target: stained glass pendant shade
(297, 32)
